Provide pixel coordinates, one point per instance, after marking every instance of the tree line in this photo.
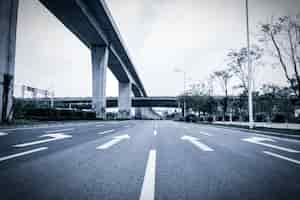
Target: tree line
(278, 40)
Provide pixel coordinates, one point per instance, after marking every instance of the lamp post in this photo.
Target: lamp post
(250, 103)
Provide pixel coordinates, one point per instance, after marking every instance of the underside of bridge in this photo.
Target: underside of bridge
(92, 23)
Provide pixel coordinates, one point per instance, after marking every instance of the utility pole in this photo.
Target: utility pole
(250, 103)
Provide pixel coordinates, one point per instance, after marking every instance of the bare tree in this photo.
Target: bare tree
(284, 36)
(237, 61)
(223, 77)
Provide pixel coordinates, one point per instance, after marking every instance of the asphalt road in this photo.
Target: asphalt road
(146, 160)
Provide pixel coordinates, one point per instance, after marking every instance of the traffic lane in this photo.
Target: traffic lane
(250, 144)
(240, 134)
(66, 126)
(27, 135)
(71, 139)
(83, 172)
(186, 172)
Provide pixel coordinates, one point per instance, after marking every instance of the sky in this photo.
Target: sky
(161, 35)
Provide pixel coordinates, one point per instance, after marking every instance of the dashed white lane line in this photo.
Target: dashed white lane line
(114, 141)
(282, 157)
(127, 126)
(148, 188)
(3, 134)
(59, 130)
(155, 132)
(99, 125)
(22, 153)
(105, 132)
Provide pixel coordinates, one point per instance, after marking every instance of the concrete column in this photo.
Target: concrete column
(34, 93)
(138, 113)
(23, 88)
(124, 100)
(8, 27)
(100, 56)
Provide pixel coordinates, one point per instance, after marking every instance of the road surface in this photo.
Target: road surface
(146, 160)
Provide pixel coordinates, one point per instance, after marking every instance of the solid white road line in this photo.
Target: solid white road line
(22, 153)
(54, 136)
(114, 141)
(155, 132)
(205, 133)
(282, 157)
(259, 140)
(60, 130)
(3, 134)
(195, 141)
(148, 188)
(105, 132)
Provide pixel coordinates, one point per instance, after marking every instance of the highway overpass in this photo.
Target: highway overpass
(86, 102)
(92, 23)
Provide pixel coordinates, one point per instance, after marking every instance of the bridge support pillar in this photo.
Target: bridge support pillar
(124, 100)
(8, 27)
(100, 56)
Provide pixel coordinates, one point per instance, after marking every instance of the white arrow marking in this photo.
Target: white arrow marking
(148, 188)
(54, 136)
(282, 157)
(61, 130)
(114, 141)
(195, 142)
(259, 140)
(2, 134)
(204, 133)
(155, 132)
(22, 153)
(105, 132)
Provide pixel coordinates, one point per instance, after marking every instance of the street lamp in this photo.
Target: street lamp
(250, 103)
(184, 83)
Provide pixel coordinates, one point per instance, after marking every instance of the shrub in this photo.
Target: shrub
(278, 117)
(260, 117)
